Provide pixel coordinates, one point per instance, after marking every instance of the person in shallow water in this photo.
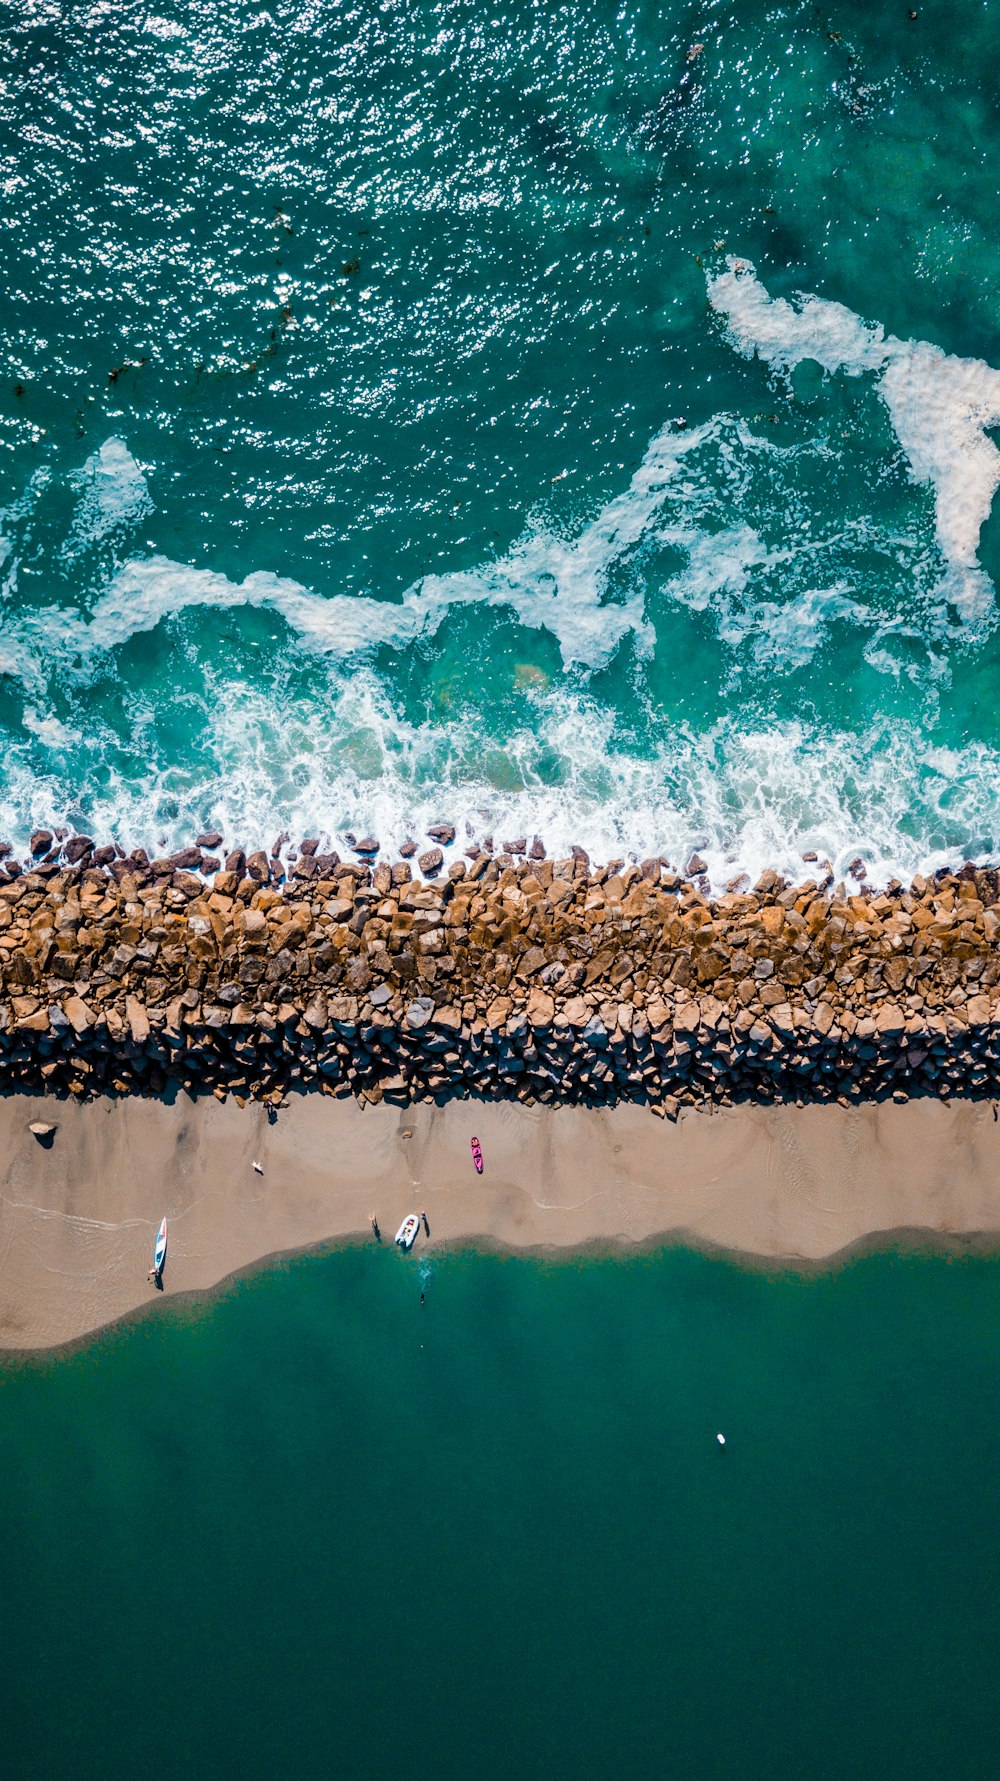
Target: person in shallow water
(375, 1228)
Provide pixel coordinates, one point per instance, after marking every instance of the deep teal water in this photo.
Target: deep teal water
(342, 356)
(312, 1528)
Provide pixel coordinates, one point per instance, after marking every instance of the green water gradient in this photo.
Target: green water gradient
(312, 1527)
(372, 296)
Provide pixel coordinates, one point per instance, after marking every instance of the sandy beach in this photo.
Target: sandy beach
(78, 1213)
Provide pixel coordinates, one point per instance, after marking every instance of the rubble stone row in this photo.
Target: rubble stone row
(543, 980)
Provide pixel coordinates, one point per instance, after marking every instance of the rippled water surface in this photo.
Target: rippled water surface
(410, 412)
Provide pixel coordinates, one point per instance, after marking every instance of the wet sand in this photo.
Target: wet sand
(77, 1218)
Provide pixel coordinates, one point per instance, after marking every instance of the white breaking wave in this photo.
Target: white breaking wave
(745, 793)
(744, 797)
(685, 494)
(549, 583)
(940, 405)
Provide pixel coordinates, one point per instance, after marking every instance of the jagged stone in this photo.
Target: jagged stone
(528, 977)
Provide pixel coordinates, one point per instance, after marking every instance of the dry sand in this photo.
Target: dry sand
(77, 1219)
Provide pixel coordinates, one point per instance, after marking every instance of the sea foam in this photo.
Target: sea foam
(940, 406)
(745, 796)
(548, 582)
(706, 523)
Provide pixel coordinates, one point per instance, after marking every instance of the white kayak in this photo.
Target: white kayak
(407, 1231)
(160, 1248)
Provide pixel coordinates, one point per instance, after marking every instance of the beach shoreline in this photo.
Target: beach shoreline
(788, 1186)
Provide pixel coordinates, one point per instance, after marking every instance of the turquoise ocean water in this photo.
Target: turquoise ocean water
(344, 485)
(562, 418)
(312, 1528)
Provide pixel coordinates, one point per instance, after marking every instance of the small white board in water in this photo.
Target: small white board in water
(721, 1440)
(407, 1231)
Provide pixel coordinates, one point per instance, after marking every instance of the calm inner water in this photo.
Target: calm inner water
(376, 444)
(311, 1527)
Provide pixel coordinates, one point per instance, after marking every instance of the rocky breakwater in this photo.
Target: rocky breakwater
(543, 980)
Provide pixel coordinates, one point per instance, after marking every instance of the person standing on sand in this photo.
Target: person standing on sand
(377, 1232)
(427, 1228)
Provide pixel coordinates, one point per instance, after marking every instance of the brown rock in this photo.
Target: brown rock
(81, 1017)
(889, 1022)
(540, 1009)
(430, 863)
(316, 1013)
(138, 1019)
